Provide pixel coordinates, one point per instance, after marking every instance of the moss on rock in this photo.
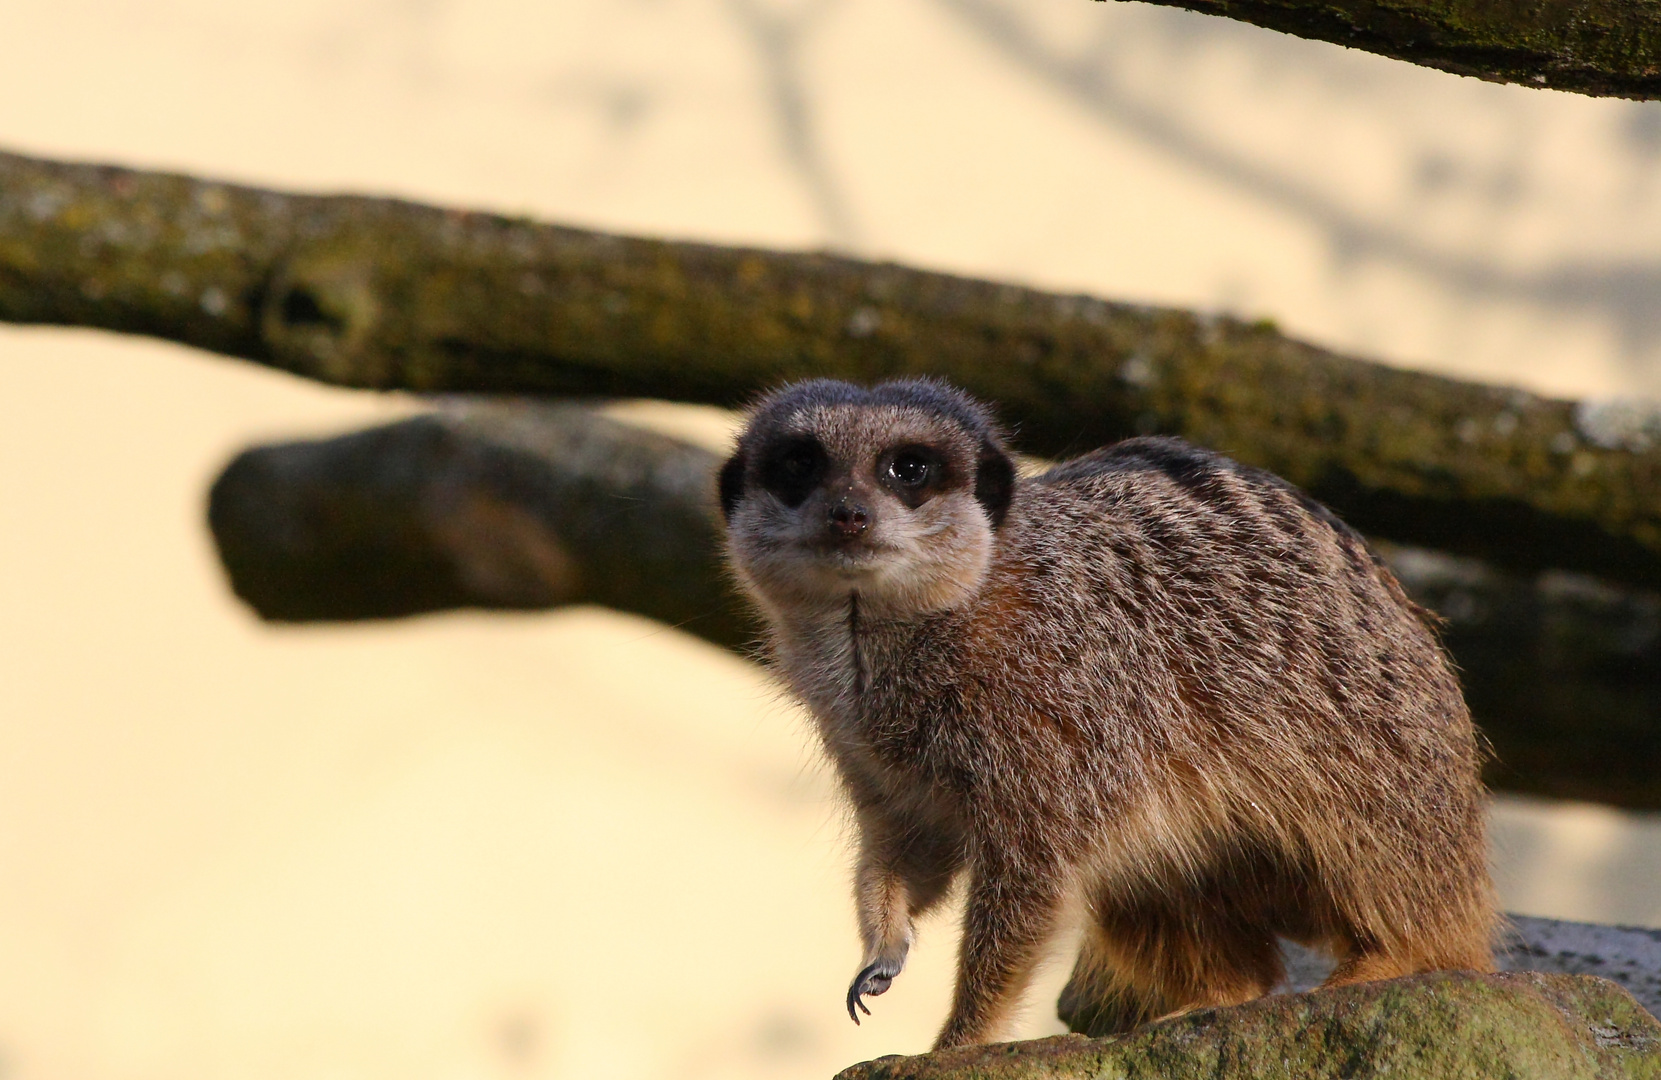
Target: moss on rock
(1429, 1027)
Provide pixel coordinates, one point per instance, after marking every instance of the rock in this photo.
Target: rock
(1447, 1024)
(1626, 955)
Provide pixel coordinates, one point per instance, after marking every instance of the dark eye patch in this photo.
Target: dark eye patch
(915, 474)
(792, 468)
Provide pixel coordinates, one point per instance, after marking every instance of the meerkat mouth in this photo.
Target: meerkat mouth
(853, 553)
(852, 565)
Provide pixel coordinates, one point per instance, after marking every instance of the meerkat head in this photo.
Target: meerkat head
(893, 492)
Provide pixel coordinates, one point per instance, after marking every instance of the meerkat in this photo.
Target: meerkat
(1151, 684)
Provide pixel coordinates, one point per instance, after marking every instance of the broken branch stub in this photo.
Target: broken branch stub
(501, 506)
(380, 293)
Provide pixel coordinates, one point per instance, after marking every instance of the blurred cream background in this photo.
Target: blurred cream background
(581, 845)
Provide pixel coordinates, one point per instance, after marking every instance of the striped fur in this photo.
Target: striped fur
(1151, 684)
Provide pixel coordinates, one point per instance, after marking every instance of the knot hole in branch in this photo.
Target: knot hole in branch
(319, 318)
(300, 308)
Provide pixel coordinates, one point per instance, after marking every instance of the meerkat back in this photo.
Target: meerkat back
(1314, 768)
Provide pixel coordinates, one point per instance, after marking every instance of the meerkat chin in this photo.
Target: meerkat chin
(1151, 684)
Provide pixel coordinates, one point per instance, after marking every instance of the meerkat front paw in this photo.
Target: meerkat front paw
(873, 980)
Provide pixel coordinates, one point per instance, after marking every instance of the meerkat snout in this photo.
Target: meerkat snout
(848, 519)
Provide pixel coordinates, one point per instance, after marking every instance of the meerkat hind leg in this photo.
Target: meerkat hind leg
(1223, 964)
(1095, 1002)
(1363, 967)
(1154, 961)
(1361, 959)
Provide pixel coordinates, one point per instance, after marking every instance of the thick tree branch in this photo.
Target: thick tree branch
(1606, 48)
(379, 293)
(527, 506)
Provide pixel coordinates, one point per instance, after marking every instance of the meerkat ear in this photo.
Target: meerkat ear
(732, 485)
(994, 481)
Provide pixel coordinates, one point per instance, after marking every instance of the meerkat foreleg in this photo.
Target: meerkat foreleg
(1011, 914)
(904, 870)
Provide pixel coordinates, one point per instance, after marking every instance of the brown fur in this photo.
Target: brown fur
(1167, 686)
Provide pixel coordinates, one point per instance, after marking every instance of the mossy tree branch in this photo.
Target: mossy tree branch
(1606, 48)
(520, 506)
(378, 293)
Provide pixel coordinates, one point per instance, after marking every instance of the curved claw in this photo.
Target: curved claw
(872, 981)
(856, 1006)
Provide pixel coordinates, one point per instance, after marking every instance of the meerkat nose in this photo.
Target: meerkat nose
(847, 518)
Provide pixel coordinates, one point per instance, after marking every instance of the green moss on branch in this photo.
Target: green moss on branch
(385, 294)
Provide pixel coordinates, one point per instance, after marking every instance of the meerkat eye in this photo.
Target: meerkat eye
(913, 473)
(793, 469)
(798, 462)
(911, 468)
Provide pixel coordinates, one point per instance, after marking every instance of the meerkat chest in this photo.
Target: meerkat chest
(874, 691)
(824, 663)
